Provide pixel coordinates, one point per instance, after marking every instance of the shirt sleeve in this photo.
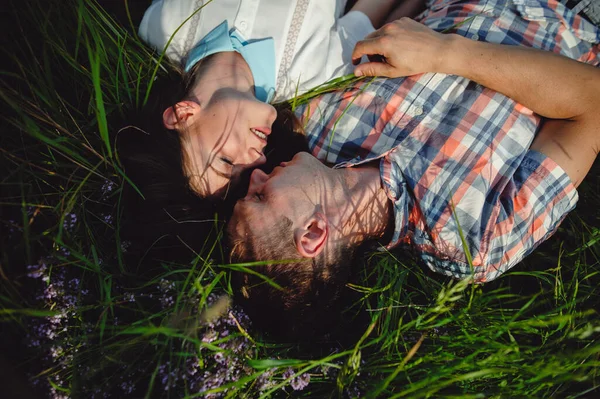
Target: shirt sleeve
(531, 208)
(527, 211)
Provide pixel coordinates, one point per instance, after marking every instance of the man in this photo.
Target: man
(472, 179)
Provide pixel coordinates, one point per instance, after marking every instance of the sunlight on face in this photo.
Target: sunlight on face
(291, 188)
(228, 137)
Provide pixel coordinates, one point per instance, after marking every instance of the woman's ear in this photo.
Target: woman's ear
(181, 113)
(310, 240)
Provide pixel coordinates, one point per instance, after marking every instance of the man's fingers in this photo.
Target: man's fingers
(374, 69)
(374, 34)
(367, 47)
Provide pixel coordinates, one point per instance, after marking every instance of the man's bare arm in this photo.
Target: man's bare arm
(551, 85)
(563, 90)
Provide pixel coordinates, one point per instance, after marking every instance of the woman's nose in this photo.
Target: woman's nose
(272, 114)
(253, 159)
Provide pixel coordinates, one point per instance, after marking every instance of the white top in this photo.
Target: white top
(313, 41)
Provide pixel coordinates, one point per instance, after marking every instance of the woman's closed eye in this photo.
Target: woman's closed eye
(228, 167)
(227, 161)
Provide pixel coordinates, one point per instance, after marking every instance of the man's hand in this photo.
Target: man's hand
(560, 89)
(400, 48)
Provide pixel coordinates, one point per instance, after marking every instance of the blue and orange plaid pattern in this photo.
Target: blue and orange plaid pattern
(454, 156)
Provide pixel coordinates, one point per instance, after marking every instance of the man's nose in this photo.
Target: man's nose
(257, 179)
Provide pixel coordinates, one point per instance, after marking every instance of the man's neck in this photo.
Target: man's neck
(363, 209)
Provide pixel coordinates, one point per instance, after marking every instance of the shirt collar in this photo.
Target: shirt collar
(259, 54)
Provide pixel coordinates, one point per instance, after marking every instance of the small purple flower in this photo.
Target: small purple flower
(300, 382)
(288, 373)
(167, 301)
(265, 380)
(127, 387)
(129, 297)
(353, 391)
(220, 358)
(56, 352)
(107, 187)
(125, 245)
(36, 271)
(50, 292)
(210, 336)
(70, 221)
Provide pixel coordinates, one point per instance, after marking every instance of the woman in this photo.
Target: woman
(239, 57)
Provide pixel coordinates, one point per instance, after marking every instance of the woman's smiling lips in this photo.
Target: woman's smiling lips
(261, 132)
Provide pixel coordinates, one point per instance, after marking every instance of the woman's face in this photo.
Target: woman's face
(226, 136)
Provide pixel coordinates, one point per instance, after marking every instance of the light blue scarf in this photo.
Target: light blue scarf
(259, 54)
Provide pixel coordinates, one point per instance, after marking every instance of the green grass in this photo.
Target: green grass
(72, 70)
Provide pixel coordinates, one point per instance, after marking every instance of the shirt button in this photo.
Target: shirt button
(475, 36)
(243, 25)
(418, 111)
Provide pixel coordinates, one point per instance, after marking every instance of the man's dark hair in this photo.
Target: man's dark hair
(307, 302)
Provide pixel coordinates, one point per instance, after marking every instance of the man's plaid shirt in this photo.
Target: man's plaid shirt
(454, 156)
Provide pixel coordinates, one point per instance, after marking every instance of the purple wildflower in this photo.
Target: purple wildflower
(353, 391)
(129, 297)
(265, 380)
(300, 382)
(125, 245)
(107, 187)
(108, 218)
(220, 358)
(70, 221)
(288, 373)
(36, 271)
(127, 387)
(210, 336)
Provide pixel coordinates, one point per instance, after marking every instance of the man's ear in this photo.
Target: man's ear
(311, 238)
(182, 112)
